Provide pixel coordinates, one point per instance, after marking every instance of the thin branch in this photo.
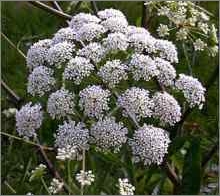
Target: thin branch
(56, 6)
(13, 45)
(51, 168)
(51, 10)
(15, 97)
(26, 141)
(209, 155)
(94, 7)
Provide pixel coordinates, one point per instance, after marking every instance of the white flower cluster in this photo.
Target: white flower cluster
(115, 42)
(40, 81)
(149, 144)
(192, 89)
(112, 72)
(60, 53)
(112, 52)
(82, 18)
(166, 108)
(85, 178)
(90, 31)
(64, 34)
(94, 100)
(136, 101)
(142, 66)
(28, 120)
(73, 137)
(189, 21)
(93, 51)
(55, 186)
(9, 112)
(166, 72)
(37, 54)
(125, 188)
(107, 134)
(77, 69)
(60, 104)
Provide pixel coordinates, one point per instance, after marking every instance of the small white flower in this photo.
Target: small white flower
(182, 34)
(204, 27)
(60, 53)
(107, 134)
(28, 120)
(85, 178)
(60, 104)
(163, 30)
(9, 112)
(81, 19)
(166, 108)
(125, 188)
(115, 41)
(40, 81)
(192, 89)
(36, 55)
(90, 31)
(55, 186)
(149, 144)
(77, 69)
(94, 100)
(199, 45)
(113, 72)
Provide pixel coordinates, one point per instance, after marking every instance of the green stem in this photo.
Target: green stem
(187, 59)
(83, 168)
(45, 185)
(26, 141)
(10, 187)
(69, 173)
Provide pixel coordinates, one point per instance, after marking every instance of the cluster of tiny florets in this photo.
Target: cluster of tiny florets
(77, 69)
(98, 57)
(72, 136)
(115, 42)
(85, 178)
(166, 108)
(60, 53)
(64, 34)
(186, 22)
(166, 72)
(40, 81)
(136, 101)
(113, 72)
(192, 89)
(28, 120)
(37, 54)
(55, 186)
(125, 188)
(60, 104)
(149, 144)
(142, 67)
(94, 101)
(107, 134)
(93, 51)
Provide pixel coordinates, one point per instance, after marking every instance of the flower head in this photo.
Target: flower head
(199, 45)
(192, 89)
(136, 101)
(85, 178)
(125, 188)
(40, 81)
(166, 108)
(149, 144)
(60, 53)
(28, 119)
(64, 34)
(36, 55)
(107, 134)
(115, 24)
(113, 72)
(77, 69)
(108, 13)
(60, 104)
(94, 100)
(55, 186)
(163, 30)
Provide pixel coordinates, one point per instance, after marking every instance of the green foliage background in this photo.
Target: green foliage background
(25, 24)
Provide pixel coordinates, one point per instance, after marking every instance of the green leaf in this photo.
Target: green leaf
(192, 168)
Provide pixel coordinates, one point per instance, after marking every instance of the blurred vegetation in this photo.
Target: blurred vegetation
(24, 25)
